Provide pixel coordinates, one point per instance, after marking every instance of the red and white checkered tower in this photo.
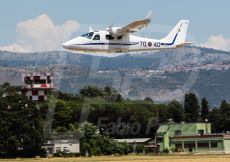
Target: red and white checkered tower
(36, 86)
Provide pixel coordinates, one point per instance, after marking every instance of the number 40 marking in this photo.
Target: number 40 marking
(157, 44)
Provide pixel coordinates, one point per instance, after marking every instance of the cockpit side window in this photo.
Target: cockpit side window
(88, 35)
(109, 37)
(96, 37)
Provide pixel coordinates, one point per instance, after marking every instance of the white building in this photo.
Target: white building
(62, 145)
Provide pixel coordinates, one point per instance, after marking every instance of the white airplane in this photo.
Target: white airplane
(120, 39)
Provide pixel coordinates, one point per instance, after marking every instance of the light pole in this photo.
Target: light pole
(156, 142)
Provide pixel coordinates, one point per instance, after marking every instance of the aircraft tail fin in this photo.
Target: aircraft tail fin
(178, 33)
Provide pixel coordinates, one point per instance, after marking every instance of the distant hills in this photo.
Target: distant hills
(162, 75)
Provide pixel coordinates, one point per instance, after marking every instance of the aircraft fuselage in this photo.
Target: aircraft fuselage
(111, 40)
(104, 43)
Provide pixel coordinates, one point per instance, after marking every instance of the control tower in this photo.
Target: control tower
(36, 85)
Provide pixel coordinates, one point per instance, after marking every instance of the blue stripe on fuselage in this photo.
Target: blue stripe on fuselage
(124, 44)
(169, 44)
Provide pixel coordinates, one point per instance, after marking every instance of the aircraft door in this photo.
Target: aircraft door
(109, 39)
(96, 42)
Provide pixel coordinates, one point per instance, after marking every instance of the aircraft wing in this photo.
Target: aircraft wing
(135, 26)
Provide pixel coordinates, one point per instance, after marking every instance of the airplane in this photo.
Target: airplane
(121, 39)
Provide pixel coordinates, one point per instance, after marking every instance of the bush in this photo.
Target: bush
(139, 148)
(166, 151)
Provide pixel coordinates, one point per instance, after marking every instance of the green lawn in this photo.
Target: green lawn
(168, 158)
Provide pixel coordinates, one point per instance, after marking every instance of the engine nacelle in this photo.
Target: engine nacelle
(113, 30)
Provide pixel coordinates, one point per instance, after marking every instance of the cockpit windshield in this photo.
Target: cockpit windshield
(88, 35)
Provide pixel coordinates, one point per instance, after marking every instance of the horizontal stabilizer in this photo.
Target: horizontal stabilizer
(184, 44)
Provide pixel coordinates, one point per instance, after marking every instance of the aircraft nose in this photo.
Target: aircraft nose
(65, 45)
(73, 44)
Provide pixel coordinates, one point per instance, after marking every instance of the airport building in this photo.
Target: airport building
(66, 145)
(191, 137)
(36, 85)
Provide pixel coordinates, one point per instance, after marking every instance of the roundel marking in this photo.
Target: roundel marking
(150, 44)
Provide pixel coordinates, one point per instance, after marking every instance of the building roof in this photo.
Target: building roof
(186, 127)
(225, 136)
(134, 140)
(162, 129)
(183, 123)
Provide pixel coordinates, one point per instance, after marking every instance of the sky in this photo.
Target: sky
(43, 25)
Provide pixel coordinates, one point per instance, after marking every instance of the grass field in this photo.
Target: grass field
(170, 158)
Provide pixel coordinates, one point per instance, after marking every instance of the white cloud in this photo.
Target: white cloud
(16, 48)
(41, 34)
(218, 42)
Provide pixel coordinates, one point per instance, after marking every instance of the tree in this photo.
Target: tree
(94, 143)
(119, 98)
(191, 108)
(204, 109)
(215, 117)
(89, 138)
(62, 115)
(7, 89)
(224, 107)
(5, 85)
(175, 111)
(108, 90)
(220, 118)
(20, 127)
(149, 99)
(91, 91)
(225, 111)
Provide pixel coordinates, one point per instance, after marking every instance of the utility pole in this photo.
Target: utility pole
(156, 143)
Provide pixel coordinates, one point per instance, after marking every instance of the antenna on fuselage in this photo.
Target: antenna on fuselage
(110, 29)
(90, 29)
